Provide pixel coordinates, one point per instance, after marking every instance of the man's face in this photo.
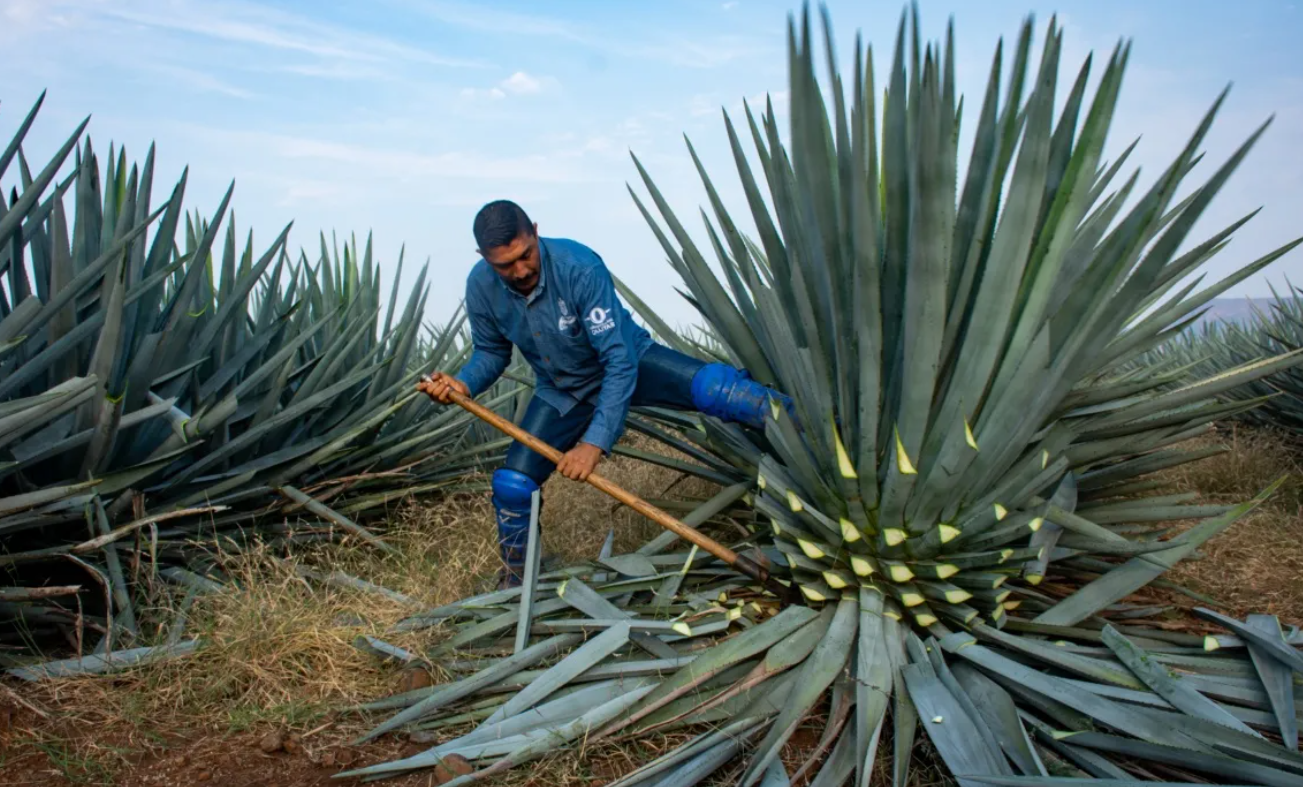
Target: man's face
(516, 262)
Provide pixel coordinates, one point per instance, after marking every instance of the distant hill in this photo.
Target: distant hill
(1234, 309)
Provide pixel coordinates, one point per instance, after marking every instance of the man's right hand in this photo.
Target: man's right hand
(440, 387)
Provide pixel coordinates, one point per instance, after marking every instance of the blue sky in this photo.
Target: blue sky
(402, 117)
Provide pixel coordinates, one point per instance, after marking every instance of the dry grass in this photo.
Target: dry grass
(1256, 565)
(281, 654)
(279, 649)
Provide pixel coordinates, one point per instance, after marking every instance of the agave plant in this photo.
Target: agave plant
(1223, 344)
(163, 385)
(961, 498)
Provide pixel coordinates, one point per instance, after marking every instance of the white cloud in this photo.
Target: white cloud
(22, 19)
(493, 93)
(730, 5)
(520, 82)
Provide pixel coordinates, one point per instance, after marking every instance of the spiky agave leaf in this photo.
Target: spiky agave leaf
(966, 446)
(155, 362)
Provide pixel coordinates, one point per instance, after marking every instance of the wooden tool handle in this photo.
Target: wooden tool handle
(740, 562)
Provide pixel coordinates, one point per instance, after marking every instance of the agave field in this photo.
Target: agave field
(169, 392)
(987, 373)
(1219, 345)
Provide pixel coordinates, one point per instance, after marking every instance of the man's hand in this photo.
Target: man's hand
(440, 386)
(579, 462)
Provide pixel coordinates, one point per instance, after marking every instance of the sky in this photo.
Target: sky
(400, 118)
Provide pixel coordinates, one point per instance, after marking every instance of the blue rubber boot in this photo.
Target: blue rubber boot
(512, 491)
(730, 394)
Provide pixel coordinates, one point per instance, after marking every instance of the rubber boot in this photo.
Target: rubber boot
(729, 394)
(512, 492)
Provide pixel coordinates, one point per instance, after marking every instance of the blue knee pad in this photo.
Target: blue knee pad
(730, 394)
(512, 491)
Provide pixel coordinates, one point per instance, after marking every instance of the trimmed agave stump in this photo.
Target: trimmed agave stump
(965, 497)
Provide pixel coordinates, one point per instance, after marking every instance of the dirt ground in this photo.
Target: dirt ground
(262, 707)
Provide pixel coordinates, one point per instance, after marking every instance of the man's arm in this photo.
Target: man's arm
(491, 351)
(603, 319)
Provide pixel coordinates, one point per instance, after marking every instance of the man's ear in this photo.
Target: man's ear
(536, 229)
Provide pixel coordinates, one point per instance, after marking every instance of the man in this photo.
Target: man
(555, 300)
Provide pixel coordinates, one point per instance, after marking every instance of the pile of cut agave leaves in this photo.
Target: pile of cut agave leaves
(968, 525)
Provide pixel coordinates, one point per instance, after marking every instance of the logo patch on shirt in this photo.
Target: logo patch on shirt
(599, 321)
(567, 318)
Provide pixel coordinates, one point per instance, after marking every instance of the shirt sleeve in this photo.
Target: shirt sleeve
(609, 332)
(491, 351)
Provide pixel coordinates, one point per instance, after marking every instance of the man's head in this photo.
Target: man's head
(508, 241)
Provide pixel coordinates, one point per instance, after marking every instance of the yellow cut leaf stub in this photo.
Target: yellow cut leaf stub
(844, 463)
(902, 458)
(861, 566)
(811, 551)
(834, 580)
(812, 594)
(849, 531)
(794, 502)
(900, 572)
(948, 533)
(968, 436)
(1001, 512)
(894, 536)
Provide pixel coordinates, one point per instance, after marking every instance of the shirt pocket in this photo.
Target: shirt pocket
(574, 346)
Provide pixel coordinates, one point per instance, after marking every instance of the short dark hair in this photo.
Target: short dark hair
(499, 223)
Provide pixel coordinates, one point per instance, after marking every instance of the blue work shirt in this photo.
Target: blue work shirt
(572, 329)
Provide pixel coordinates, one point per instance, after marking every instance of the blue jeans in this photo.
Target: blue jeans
(667, 379)
(664, 380)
